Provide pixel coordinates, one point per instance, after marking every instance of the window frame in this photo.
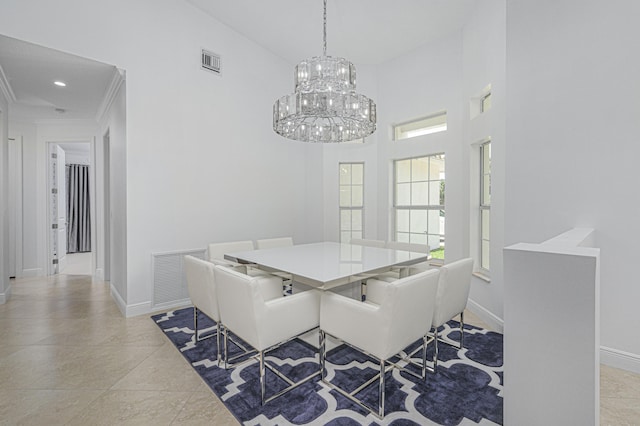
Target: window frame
(484, 208)
(420, 207)
(351, 207)
(397, 129)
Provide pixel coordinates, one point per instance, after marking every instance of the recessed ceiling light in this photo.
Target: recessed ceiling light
(60, 83)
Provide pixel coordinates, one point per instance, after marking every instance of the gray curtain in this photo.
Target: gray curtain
(78, 212)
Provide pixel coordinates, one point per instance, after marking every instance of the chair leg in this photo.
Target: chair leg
(424, 356)
(381, 390)
(218, 331)
(435, 349)
(461, 329)
(226, 354)
(322, 354)
(262, 377)
(195, 323)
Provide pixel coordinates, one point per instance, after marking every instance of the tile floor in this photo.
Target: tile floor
(68, 357)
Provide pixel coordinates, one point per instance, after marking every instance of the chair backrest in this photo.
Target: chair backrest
(408, 308)
(242, 301)
(274, 242)
(418, 248)
(218, 250)
(368, 243)
(453, 290)
(201, 286)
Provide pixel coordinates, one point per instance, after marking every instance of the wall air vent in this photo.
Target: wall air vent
(211, 62)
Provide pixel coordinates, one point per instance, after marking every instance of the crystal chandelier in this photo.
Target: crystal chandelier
(325, 106)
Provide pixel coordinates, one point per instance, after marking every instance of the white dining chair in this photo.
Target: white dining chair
(268, 243)
(413, 269)
(262, 323)
(451, 299)
(201, 286)
(401, 315)
(368, 243)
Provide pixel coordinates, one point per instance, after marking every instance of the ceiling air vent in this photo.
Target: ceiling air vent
(211, 62)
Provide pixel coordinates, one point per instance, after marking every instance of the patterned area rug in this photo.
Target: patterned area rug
(467, 389)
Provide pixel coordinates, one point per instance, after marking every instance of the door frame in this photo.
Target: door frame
(49, 270)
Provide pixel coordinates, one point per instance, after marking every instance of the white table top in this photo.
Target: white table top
(328, 264)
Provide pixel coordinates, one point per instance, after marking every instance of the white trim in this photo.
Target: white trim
(110, 94)
(487, 316)
(620, 359)
(5, 87)
(142, 308)
(160, 307)
(4, 297)
(33, 272)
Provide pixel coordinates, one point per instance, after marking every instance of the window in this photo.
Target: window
(485, 102)
(351, 201)
(422, 126)
(485, 205)
(419, 202)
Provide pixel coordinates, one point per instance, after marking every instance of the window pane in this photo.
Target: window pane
(357, 235)
(345, 196)
(434, 222)
(486, 189)
(403, 194)
(345, 174)
(357, 174)
(419, 221)
(420, 194)
(356, 196)
(485, 255)
(434, 193)
(345, 236)
(419, 238)
(403, 171)
(486, 157)
(402, 220)
(345, 220)
(356, 220)
(486, 230)
(436, 169)
(402, 237)
(420, 169)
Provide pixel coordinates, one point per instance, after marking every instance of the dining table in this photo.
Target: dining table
(328, 264)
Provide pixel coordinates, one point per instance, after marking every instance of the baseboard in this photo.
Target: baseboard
(620, 359)
(495, 322)
(35, 272)
(4, 297)
(171, 305)
(129, 310)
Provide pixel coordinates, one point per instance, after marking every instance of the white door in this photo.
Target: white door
(58, 205)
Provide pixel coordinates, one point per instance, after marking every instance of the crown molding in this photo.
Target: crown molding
(5, 87)
(110, 94)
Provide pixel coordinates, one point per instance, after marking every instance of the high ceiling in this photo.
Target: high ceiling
(31, 71)
(363, 31)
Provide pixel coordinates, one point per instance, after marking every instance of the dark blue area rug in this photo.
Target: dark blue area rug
(467, 389)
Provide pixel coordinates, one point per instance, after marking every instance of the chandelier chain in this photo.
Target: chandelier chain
(324, 51)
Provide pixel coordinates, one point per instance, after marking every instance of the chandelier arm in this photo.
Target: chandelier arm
(324, 38)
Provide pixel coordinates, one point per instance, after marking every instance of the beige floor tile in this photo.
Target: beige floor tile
(167, 370)
(617, 383)
(43, 407)
(69, 367)
(619, 411)
(132, 408)
(204, 409)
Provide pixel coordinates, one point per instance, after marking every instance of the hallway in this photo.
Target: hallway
(69, 357)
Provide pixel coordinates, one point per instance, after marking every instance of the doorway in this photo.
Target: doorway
(71, 189)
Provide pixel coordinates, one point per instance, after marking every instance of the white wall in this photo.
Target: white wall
(5, 290)
(572, 131)
(484, 49)
(202, 161)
